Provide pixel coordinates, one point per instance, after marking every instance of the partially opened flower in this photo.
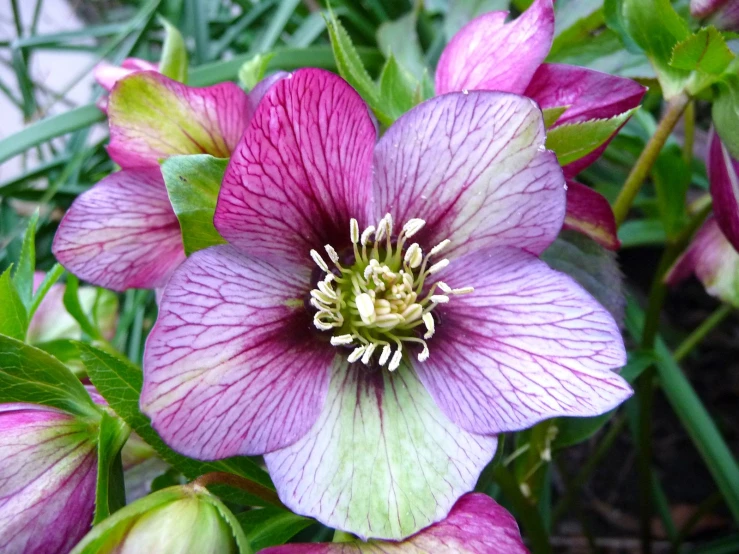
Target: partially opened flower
(490, 54)
(379, 313)
(107, 74)
(123, 233)
(47, 479)
(475, 525)
(723, 14)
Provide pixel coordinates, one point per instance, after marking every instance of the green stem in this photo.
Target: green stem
(643, 166)
(689, 120)
(721, 313)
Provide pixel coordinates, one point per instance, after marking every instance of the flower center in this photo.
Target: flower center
(376, 304)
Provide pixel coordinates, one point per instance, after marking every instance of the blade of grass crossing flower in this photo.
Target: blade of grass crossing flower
(51, 277)
(23, 275)
(73, 306)
(276, 26)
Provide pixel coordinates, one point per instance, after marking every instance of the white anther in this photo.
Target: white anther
(428, 320)
(321, 297)
(388, 224)
(388, 321)
(438, 266)
(326, 289)
(319, 306)
(342, 339)
(413, 226)
(328, 278)
(444, 287)
(439, 247)
(439, 298)
(356, 354)
(395, 360)
(384, 355)
(463, 290)
(368, 353)
(354, 230)
(424, 354)
(413, 256)
(332, 254)
(319, 261)
(366, 308)
(366, 234)
(412, 312)
(321, 326)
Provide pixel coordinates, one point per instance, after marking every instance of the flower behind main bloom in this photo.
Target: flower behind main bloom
(375, 382)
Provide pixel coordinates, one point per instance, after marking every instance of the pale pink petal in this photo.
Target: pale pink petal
(382, 460)
(152, 117)
(589, 213)
(233, 365)
(262, 87)
(301, 171)
(474, 166)
(487, 54)
(722, 173)
(528, 344)
(122, 233)
(476, 525)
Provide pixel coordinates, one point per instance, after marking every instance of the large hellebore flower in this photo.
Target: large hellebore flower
(47, 479)
(490, 54)
(123, 232)
(724, 14)
(379, 313)
(475, 525)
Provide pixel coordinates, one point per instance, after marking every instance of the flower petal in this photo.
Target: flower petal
(231, 366)
(47, 480)
(722, 173)
(476, 525)
(529, 344)
(301, 171)
(122, 233)
(382, 460)
(589, 213)
(487, 54)
(107, 75)
(153, 117)
(475, 168)
(704, 8)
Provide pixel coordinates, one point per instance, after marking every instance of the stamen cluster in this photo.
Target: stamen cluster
(376, 302)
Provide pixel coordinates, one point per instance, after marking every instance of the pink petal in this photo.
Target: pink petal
(47, 480)
(382, 460)
(589, 213)
(704, 8)
(122, 233)
(487, 54)
(153, 117)
(475, 168)
(722, 173)
(301, 171)
(232, 365)
(528, 344)
(262, 87)
(475, 525)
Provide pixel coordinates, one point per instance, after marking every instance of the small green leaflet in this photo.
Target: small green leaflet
(265, 527)
(13, 315)
(23, 275)
(174, 53)
(704, 51)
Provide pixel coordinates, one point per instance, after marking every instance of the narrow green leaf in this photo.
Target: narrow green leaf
(75, 309)
(265, 527)
(573, 141)
(174, 62)
(276, 26)
(551, 115)
(399, 38)
(51, 277)
(671, 177)
(13, 315)
(192, 184)
(397, 89)
(253, 71)
(23, 275)
(642, 232)
(705, 51)
(110, 494)
(28, 374)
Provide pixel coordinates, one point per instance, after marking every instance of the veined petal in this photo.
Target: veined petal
(704, 8)
(475, 168)
(122, 233)
(107, 75)
(153, 117)
(589, 213)
(47, 480)
(231, 366)
(722, 173)
(487, 54)
(301, 171)
(476, 525)
(382, 460)
(713, 260)
(529, 344)
(262, 87)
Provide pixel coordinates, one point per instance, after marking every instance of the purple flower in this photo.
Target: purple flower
(490, 54)
(723, 14)
(475, 525)
(123, 233)
(107, 75)
(379, 313)
(47, 479)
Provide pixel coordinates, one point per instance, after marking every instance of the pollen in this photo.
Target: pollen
(384, 301)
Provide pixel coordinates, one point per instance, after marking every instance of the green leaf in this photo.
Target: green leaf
(120, 383)
(174, 62)
(265, 527)
(399, 38)
(551, 115)
(72, 303)
(705, 51)
(50, 279)
(671, 177)
(192, 184)
(110, 494)
(397, 89)
(238, 533)
(23, 275)
(253, 71)
(28, 374)
(573, 141)
(725, 114)
(642, 232)
(13, 315)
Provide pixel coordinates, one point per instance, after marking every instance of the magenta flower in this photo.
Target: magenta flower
(475, 525)
(723, 14)
(379, 313)
(107, 75)
(123, 233)
(47, 479)
(490, 54)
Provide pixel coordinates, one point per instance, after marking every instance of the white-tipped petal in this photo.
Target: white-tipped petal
(319, 260)
(428, 320)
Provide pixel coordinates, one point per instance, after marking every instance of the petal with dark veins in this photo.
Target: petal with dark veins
(723, 171)
(589, 213)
